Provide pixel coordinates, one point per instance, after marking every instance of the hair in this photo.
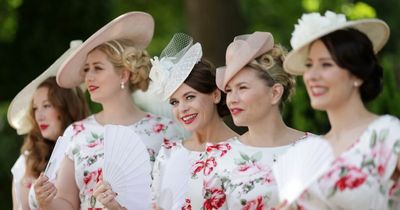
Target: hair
(353, 50)
(269, 67)
(202, 79)
(123, 54)
(71, 106)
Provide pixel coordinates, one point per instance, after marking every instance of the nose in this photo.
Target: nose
(183, 107)
(231, 98)
(311, 74)
(39, 114)
(89, 75)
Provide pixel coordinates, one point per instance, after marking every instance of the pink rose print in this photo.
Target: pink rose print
(222, 147)
(215, 198)
(381, 153)
(209, 165)
(188, 204)
(167, 144)
(158, 127)
(197, 167)
(354, 178)
(78, 127)
(256, 204)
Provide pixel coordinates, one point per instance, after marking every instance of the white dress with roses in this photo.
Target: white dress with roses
(193, 195)
(238, 176)
(360, 177)
(87, 152)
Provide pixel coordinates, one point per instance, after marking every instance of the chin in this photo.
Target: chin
(240, 123)
(318, 106)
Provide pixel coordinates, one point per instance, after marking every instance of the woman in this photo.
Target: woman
(238, 172)
(116, 64)
(199, 106)
(341, 72)
(42, 111)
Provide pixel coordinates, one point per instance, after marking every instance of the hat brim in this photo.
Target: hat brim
(19, 107)
(376, 30)
(135, 26)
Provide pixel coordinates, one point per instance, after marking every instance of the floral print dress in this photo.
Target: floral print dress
(238, 176)
(361, 177)
(87, 152)
(193, 196)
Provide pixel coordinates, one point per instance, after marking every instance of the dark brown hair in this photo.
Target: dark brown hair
(202, 79)
(70, 105)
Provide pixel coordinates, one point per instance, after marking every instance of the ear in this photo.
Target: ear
(125, 75)
(216, 96)
(276, 93)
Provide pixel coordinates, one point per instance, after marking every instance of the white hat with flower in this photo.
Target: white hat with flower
(174, 65)
(313, 26)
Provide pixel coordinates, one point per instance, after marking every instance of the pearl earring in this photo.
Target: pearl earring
(122, 85)
(356, 84)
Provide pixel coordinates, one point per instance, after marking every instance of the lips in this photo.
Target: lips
(318, 90)
(43, 126)
(92, 88)
(187, 119)
(236, 111)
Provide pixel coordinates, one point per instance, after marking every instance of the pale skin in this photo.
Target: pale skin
(47, 119)
(103, 83)
(346, 111)
(197, 112)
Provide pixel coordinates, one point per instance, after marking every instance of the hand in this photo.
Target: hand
(104, 194)
(45, 191)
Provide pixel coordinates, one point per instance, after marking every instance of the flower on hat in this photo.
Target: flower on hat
(160, 72)
(311, 24)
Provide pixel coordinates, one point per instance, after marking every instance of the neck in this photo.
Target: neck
(120, 110)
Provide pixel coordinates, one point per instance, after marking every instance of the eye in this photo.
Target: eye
(308, 65)
(228, 90)
(98, 68)
(47, 105)
(173, 102)
(243, 87)
(86, 69)
(327, 64)
(190, 97)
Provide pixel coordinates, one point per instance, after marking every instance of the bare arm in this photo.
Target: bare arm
(65, 190)
(14, 196)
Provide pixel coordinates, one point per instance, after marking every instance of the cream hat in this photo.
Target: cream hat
(135, 26)
(240, 52)
(313, 26)
(175, 64)
(18, 110)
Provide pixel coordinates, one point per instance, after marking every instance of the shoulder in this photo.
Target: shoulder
(77, 127)
(220, 149)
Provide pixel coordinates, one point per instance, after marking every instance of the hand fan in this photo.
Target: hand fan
(300, 166)
(174, 181)
(56, 157)
(127, 167)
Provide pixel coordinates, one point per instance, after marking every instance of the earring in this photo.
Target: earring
(356, 84)
(122, 85)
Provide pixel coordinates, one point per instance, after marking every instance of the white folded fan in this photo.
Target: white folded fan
(300, 166)
(127, 167)
(56, 158)
(174, 181)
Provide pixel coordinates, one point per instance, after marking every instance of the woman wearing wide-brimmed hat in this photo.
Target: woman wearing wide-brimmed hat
(340, 70)
(113, 63)
(41, 111)
(238, 172)
(188, 82)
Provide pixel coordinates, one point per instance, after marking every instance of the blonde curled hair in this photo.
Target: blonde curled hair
(270, 68)
(123, 54)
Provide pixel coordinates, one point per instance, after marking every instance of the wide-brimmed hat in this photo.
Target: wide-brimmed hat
(313, 26)
(174, 65)
(18, 110)
(135, 26)
(240, 52)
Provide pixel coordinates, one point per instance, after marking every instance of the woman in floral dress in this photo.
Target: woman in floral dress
(340, 69)
(199, 106)
(116, 64)
(238, 172)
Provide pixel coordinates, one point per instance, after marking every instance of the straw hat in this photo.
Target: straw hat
(240, 52)
(135, 26)
(18, 110)
(313, 26)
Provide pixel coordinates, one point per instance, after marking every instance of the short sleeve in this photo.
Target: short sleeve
(69, 135)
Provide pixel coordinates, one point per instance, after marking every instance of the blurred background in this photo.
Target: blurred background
(33, 34)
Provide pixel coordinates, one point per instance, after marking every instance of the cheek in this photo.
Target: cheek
(175, 112)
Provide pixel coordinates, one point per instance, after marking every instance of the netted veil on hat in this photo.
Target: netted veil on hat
(313, 26)
(18, 110)
(137, 27)
(174, 65)
(240, 52)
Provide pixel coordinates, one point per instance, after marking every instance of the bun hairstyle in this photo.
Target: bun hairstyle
(202, 79)
(124, 55)
(352, 50)
(269, 67)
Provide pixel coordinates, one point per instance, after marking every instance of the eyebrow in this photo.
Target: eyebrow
(188, 93)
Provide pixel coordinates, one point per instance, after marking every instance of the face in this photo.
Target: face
(249, 98)
(46, 115)
(192, 108)
(101, 79)
(328, 85)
